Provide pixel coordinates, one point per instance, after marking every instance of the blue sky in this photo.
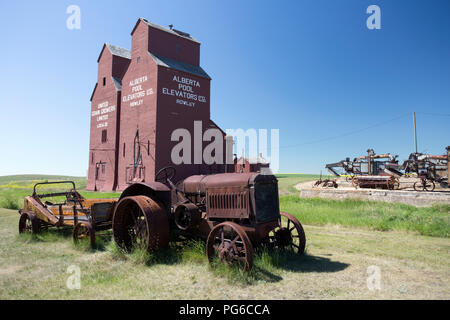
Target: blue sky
(309, 68)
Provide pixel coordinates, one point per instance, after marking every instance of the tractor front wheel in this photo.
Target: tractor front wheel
(228, 243)
(289, 235)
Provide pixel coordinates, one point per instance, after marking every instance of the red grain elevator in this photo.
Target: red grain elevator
(140, 98)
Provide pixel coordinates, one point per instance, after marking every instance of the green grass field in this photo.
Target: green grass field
(14, 188)
(287, 181)
(433, 221)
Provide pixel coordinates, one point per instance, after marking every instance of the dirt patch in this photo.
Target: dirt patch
(10, 270)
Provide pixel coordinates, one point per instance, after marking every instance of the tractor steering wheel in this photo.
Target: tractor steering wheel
(165, 174)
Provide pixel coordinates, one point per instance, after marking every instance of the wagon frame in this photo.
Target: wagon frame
(85, 216)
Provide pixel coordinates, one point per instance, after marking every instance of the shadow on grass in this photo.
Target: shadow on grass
(168, 256)
(310, 263)
(64, 234)
(267, 266)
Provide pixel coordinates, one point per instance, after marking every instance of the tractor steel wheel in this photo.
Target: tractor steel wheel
(84, 231)
(418, 186)
(140, 222)
(289, 235)
(229, 243)
(29, 223)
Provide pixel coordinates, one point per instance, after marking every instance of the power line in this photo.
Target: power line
(345, 134)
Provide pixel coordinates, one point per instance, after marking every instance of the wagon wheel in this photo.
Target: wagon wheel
(418, 186)
(396, 184)
(82, 231)
(230, 244)
(428, 185)
(288, 235)
(140, 222)
(355, 181)
(424, 185)
(29, 223)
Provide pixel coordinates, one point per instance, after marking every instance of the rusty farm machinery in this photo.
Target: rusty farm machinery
(85, 216)
(233, 212)
(369, 171)
(430, 169)
(384, 171)
(325, 183)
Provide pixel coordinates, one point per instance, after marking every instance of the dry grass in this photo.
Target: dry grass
(412, 267)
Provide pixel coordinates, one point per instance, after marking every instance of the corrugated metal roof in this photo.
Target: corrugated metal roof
(118, 51)
(172, 31)
(180, 66)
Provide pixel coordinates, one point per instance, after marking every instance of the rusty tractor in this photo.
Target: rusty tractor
(85, 216)
(233, 212)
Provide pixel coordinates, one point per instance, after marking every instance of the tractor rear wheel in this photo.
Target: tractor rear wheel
(82, 231)
(29, 223)
(229, 243)
(140, 223)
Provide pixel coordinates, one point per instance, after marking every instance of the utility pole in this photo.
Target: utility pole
(415, 132)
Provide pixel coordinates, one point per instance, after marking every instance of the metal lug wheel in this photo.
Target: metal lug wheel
(229, 243)
(84, 231)
(424, 185)
(289, 235)
(140, 222)
(29, 223)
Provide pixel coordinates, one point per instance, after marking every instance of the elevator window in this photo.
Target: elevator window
(104, 136)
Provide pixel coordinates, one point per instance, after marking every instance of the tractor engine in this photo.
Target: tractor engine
(248, 198)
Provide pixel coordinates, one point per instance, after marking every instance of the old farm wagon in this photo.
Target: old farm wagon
(66, 209)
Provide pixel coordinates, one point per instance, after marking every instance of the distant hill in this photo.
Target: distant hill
(33, 177)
